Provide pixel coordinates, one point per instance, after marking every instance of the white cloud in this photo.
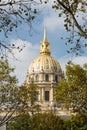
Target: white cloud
(52, 22)
(76, 60)
(25, 57)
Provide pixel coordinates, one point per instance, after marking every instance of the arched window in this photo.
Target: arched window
(37, 77)
(46, 77)
(56, 78)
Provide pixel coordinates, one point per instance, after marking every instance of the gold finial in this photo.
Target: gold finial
(45, 44)
(45, 35)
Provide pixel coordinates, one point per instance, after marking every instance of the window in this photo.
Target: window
(46, 46)
(46, 77)
(55, 68)
(37, 77)
(46, 95)
(56, 78)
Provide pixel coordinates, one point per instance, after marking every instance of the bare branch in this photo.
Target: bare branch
(81, 31)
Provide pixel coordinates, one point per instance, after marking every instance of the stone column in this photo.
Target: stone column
(51, 95)
(39, 97)
(42, 94)
(42, 77)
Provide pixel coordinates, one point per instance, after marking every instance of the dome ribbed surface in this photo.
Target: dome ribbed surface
(44, 63)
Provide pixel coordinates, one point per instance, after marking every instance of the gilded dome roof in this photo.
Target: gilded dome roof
(45, 62)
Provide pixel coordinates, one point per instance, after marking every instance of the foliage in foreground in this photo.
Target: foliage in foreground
(78, 122)
(15, 99)
(8, 91)
(72, 90)
(48, 121)
(28, 99)
(15, 12)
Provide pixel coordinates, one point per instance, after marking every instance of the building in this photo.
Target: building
(45, 71)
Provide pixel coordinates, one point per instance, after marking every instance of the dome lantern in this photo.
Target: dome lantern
(45, 45)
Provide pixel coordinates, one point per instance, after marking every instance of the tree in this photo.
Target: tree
(73, 11)
(76, 122)
(8, 92)
(20, 122)
(72, 90)
(14, 99)
(40, 121)
(28, 99)
(47, 121)
(75, 22)
(12, 14)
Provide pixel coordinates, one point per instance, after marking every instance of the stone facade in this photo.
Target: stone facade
(46, 72)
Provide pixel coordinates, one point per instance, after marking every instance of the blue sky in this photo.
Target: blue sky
(55, 30)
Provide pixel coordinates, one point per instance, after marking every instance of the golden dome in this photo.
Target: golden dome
(44, 63)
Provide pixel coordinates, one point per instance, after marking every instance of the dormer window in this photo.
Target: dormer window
(46, 46)
(37, 78)
(55, 68)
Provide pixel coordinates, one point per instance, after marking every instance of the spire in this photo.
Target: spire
(45, 34)
(45, 44)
